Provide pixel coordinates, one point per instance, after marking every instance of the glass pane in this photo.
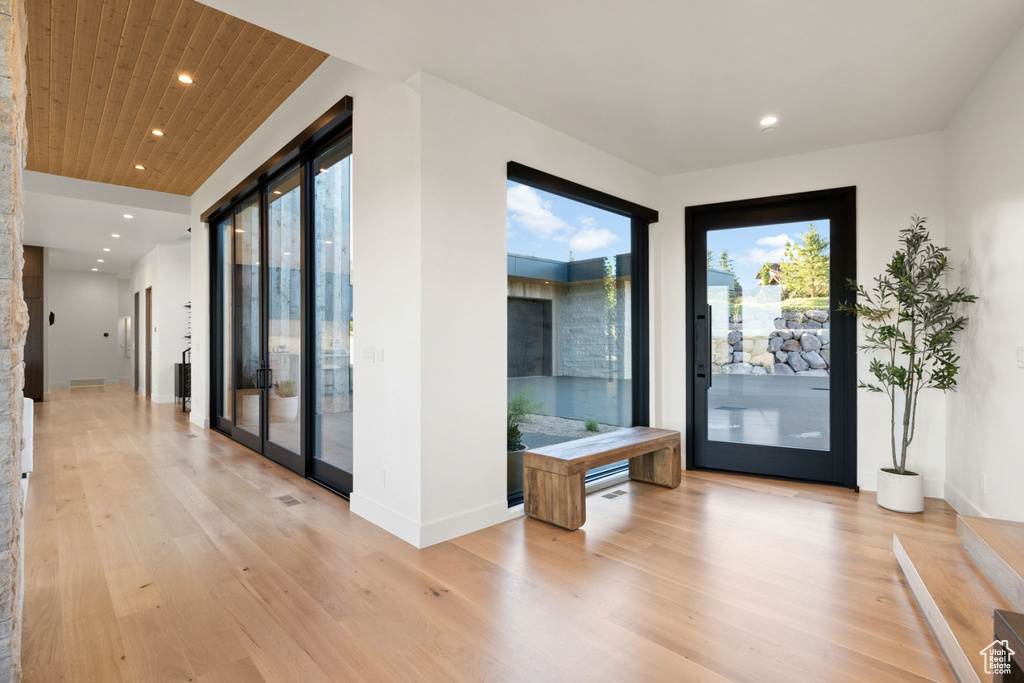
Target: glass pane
(225, 235)
(247, 318)
(284, 301)
(569, 326)
(768, 289)
(333, 306)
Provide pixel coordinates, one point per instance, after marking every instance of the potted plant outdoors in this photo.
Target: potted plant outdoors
(284, 407)
(910, 318)
(519, 406)
(248, 402)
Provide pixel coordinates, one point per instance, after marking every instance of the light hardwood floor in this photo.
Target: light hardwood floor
(154, 556)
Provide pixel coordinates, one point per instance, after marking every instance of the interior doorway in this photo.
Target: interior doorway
(149, 342)
(135, 342)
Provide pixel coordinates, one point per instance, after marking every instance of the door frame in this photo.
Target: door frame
(329, 130)
(841, 207)
(135, 342)
(149, 342)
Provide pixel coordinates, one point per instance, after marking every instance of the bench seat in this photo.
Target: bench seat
(554, 477)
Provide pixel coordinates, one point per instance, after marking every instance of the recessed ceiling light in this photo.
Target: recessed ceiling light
(106, 248)
(114, 235)
(323, 170)
(287, 253)
(99, 260)
(328, 242)
(95, 270)
(769, 120)
(239, 230)
(185, 78)
(128, 215)
(277, 191)
(140, 167)
(157, 132)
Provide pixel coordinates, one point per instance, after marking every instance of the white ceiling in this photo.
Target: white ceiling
(75, 219)
(677, 85)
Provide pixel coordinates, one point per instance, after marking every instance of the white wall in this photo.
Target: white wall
(894, 179)
(467, 142)
(85, 306)
(985, 190)
(167, 269)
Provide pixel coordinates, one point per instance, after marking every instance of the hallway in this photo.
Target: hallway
(157, 551)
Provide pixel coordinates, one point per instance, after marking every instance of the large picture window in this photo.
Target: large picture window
(281, 290)
(577, 315)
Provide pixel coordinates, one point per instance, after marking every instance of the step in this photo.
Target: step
(998, 546)
(957, 599)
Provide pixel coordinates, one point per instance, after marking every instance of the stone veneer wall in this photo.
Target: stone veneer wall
(13, 327)
(800, 344)
(584, 349)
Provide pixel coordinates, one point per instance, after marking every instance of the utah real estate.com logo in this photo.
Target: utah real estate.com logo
(997, 657)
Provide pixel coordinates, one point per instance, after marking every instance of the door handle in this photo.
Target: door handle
(711, 367)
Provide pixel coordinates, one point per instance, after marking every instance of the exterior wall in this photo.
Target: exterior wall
(585, 350)
(13, 327)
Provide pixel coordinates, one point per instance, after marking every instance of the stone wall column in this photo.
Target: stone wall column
(13, 326)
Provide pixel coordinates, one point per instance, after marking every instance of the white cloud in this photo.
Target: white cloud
(775, 241)
(758, 256)
(591, 239)
(528, 209)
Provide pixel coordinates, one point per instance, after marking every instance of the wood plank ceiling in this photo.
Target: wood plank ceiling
(103, 74)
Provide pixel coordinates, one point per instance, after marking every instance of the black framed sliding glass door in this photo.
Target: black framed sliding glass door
(281, 309)
(772, 363)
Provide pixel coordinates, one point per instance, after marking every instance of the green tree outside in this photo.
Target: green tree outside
(805, 272)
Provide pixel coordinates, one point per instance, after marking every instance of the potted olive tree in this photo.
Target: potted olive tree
(910, 322)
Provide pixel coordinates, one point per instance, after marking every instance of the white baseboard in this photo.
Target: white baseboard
(390, 521)
(961, 503)
(868, 481)
(430, 533)
(111, 382)
(162, 398)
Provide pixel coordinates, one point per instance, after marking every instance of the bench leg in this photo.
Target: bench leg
(555, 499)
(663, 467)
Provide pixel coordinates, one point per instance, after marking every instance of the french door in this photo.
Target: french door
(772, 377)
(282, 316)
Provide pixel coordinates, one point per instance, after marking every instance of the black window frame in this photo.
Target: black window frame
(641, 218)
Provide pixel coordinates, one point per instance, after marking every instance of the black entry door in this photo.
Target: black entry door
(772, 363)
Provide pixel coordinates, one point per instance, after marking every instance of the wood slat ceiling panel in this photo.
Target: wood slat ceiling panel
(102, 74)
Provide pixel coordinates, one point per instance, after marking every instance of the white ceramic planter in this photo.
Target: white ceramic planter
(248, 410)
(901, 492)
(284, 408)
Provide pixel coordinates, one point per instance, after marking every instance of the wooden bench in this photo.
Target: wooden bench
(554, 477)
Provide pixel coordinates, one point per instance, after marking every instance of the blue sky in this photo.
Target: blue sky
(750, 248)
(548, 226)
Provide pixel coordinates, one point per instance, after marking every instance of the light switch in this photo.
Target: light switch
(1020, 356)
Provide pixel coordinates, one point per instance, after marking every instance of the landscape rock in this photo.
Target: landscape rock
(797, 362)
(809, 342)
(814, 373)
(765, 360)
(826, 356)
(781, 356)
(783, 369)
(759, 346)
(791, 315)
(816, 315)
(825, 336)
(791, 345)
(811, 325)
(815, 360)
(775, 343)
(793, 325)
(759, 371)
(748, 346)
(780, 323)
(735, 336)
